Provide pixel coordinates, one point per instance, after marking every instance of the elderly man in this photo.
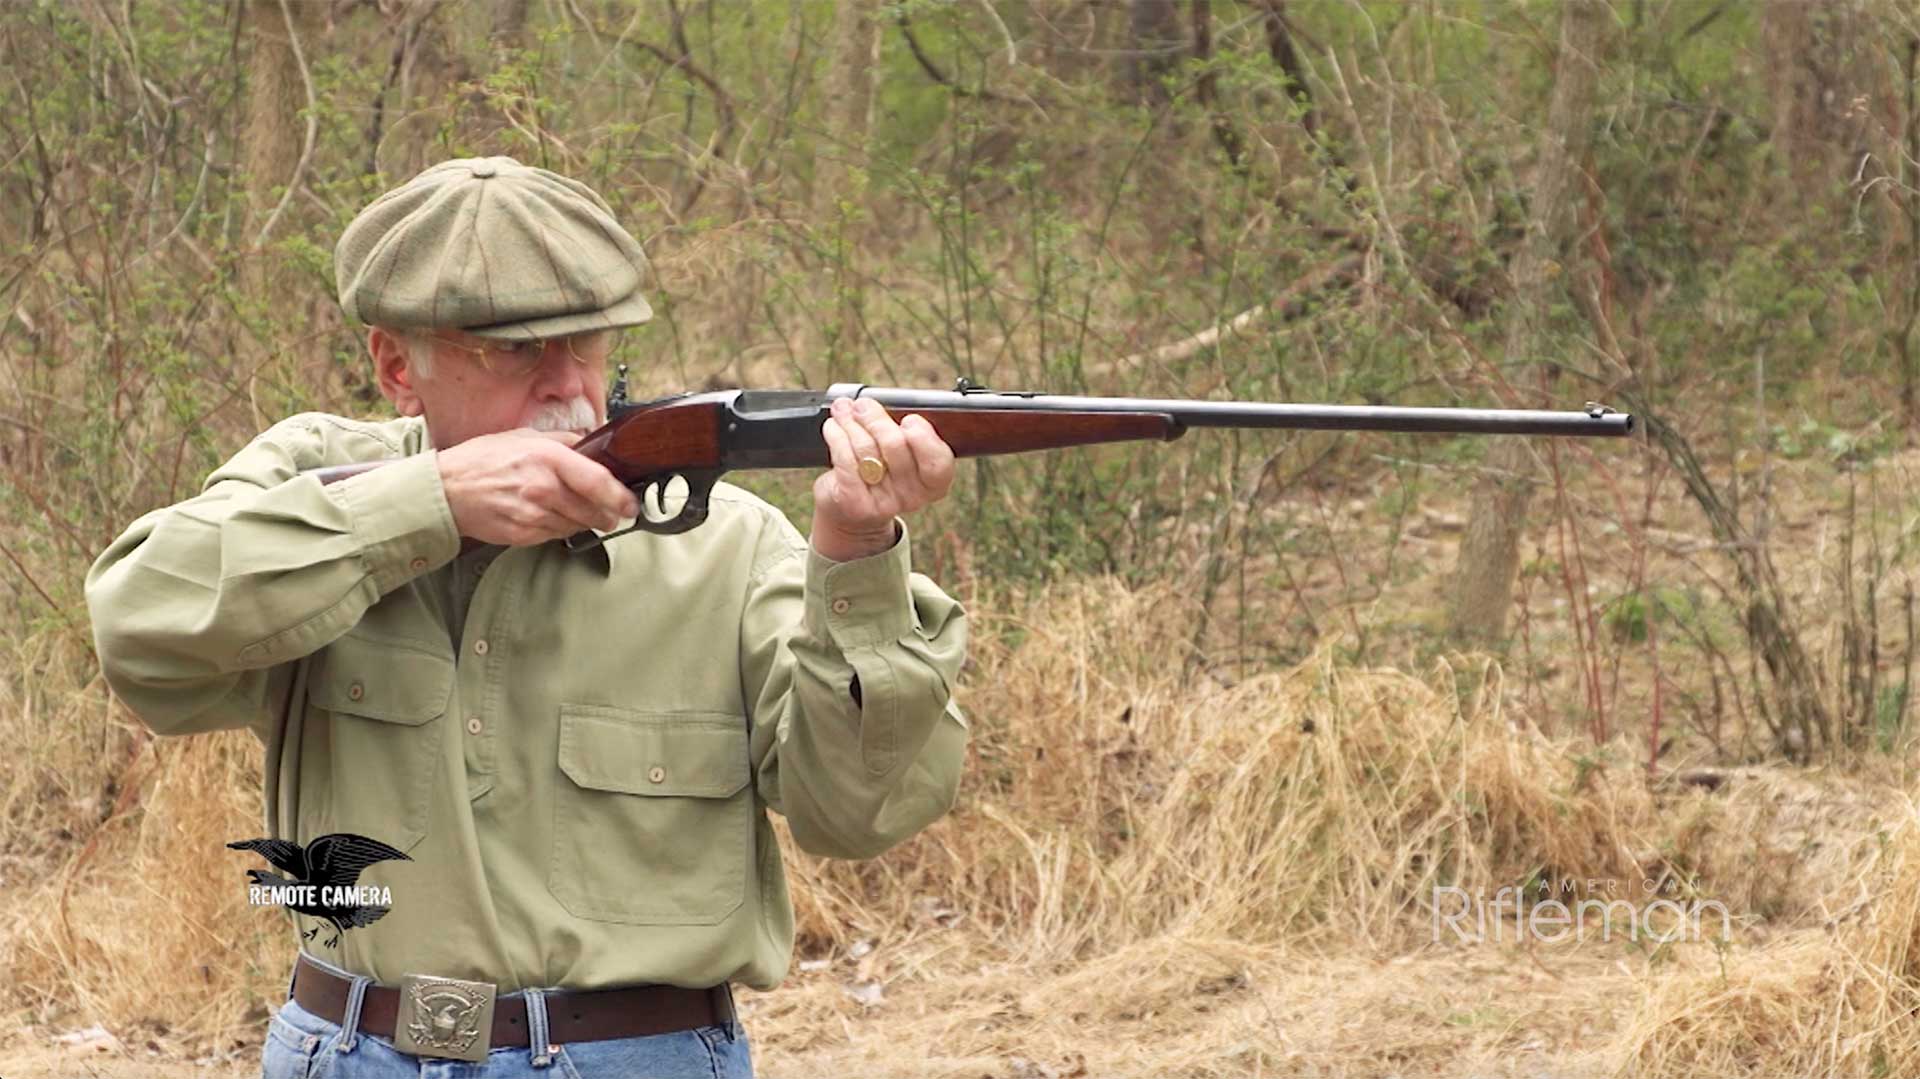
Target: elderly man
(576, 753)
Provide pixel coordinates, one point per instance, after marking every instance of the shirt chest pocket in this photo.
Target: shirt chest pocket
(384, 701)
(653, 821)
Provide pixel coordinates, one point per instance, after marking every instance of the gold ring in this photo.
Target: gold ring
(873, 470)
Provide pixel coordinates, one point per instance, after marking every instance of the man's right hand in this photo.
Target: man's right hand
(524, 487)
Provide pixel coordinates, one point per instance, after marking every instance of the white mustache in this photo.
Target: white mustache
(574, 414)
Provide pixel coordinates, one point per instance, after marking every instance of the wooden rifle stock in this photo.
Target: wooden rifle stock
(697, 438)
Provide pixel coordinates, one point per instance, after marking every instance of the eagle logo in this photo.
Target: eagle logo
(322, 871)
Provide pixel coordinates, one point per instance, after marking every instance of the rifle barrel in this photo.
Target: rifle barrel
(1594, 421)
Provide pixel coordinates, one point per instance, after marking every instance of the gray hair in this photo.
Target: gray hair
(419, 348)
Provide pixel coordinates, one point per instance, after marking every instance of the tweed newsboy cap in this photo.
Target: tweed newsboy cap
(492, 247)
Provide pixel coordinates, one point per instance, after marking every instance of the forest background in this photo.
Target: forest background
(1241, 704)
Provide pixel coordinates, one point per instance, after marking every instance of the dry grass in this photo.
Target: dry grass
(141, 926)
(1152, 873)
(1119, 796)
(1836, 999)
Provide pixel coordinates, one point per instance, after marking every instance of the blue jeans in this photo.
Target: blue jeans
(302, 1045)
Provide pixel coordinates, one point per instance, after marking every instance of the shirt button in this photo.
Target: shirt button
(473, 724)
(657, 774)
(480, 647)
(842, 606)
(417, 565)
(356, 691)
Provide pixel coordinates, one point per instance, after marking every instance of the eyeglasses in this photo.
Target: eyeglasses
(518, 359)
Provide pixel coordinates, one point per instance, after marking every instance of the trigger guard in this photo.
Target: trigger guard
(692, 512)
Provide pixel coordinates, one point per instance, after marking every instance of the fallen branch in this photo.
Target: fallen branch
(1287, 305)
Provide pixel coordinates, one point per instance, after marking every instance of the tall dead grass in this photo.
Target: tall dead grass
(1837, 997)
(137, 923)
(1163, 850)
(1114, 796)
(1152, 871)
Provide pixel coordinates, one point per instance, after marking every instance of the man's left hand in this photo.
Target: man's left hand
(853, 518)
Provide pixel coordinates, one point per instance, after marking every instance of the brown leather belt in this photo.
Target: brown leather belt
(572, 1015)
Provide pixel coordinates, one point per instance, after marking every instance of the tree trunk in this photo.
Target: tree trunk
(1224, 132)
(1482, 589)
(1155, 45)
(274, 135)
(270, 149)
(1280, 48)
(1815, 73)
(509, 29)
(853, 57)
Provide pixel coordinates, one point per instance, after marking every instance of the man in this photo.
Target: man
(575, 753)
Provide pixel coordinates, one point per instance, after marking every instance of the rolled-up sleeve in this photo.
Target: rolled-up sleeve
(194, 602)
(850, 669)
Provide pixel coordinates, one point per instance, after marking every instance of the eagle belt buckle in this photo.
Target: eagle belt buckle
(444, 1017)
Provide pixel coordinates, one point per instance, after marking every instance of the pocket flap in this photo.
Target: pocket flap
(688, 755)
(398, 683)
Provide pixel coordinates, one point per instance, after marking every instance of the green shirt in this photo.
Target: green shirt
(581, 781)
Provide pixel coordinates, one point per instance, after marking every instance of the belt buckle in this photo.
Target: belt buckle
(444, 1017)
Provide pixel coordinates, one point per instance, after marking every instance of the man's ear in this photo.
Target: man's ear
(391, 369)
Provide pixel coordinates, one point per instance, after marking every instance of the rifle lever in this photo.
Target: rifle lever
(652, 492)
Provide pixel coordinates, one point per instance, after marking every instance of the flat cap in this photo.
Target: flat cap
(495, 248)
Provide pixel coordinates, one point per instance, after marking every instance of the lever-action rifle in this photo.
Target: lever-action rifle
(698, 437)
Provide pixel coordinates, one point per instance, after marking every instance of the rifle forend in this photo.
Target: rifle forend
(699, 437)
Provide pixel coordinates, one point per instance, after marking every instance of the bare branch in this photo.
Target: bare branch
(1013, 55)
(722, 101)
(932, 69)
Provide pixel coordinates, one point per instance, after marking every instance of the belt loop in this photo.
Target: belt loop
(350, 1022)
(538, 1041)
(732, 1023)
